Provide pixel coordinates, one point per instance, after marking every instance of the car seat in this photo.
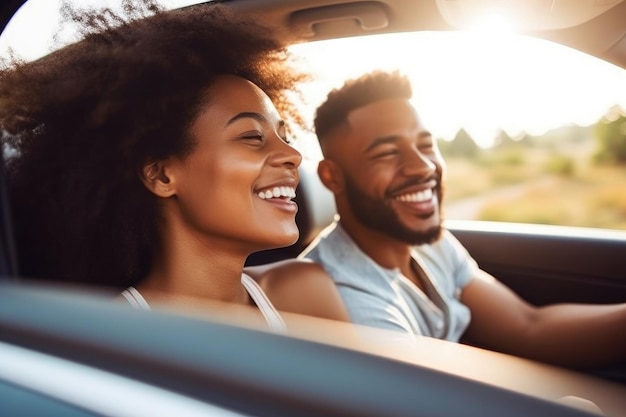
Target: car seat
(316, 210)
(8, 259)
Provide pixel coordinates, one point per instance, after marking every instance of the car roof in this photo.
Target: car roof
(596, 28)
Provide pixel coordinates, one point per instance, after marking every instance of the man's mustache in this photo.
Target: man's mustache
(412, 182)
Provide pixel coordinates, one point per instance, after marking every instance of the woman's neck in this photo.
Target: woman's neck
(198, 268)
(192, 279)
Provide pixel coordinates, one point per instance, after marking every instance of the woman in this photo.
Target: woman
(149, 156)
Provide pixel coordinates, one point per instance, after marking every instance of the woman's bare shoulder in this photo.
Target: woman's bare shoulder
(300, 286)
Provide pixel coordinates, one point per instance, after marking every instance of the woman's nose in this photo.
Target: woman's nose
(285, 154)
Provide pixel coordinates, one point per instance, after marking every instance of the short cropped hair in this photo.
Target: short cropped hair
(368, 88)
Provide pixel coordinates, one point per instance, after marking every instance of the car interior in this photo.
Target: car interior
(227, 365)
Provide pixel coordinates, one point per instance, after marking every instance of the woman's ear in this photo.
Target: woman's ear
(155, 176)
(330, 175)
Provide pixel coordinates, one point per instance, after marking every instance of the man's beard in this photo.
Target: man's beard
(375, 214)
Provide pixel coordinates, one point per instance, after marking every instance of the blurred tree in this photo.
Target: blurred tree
(610, 133)
(563, 136)
(503, 140)
(462, 145)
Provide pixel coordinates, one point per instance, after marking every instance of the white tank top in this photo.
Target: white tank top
(271, 315)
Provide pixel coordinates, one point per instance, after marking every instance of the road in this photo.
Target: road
(469, 208)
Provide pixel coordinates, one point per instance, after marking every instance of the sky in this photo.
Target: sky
(473, 80)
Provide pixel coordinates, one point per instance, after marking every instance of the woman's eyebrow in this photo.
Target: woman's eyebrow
(252, 115)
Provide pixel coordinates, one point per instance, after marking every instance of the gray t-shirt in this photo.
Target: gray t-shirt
(385, 298)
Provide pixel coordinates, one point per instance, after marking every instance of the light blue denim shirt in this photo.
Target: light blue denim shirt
(385, 298)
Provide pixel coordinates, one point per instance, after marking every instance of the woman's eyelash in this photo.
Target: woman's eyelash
(261, 137)
(257, 136)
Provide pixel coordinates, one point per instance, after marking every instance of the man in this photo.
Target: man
(395, 266)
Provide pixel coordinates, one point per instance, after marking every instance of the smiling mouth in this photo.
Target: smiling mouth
(277, 192)
(416, 197)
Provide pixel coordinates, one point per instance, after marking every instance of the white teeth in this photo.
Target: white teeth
(418, 197)
(278, 192)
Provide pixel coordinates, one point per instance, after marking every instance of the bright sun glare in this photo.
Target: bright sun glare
(493, 23)
(476, 79)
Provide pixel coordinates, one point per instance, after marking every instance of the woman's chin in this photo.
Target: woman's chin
(278, 235)
(285, 240)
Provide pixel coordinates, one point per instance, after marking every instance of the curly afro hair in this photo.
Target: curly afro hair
(78, 124)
